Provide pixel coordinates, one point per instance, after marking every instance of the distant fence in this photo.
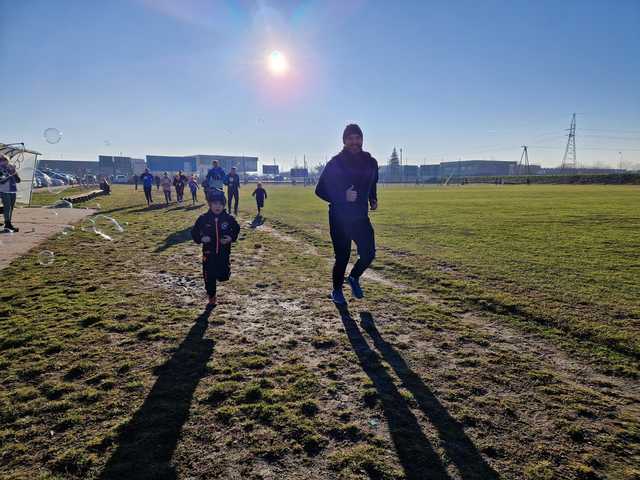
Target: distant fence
(586, 178)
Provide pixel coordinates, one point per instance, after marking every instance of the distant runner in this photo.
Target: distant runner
(179, 182)
(157, 179)
(260, 194)
(215, 177)
(135, 181)
(193, 187)
(147, 185)
(233, 189)
(166, 188)
(348, 183)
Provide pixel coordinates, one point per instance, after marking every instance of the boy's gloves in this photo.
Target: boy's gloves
(226, 239)
(206, 239)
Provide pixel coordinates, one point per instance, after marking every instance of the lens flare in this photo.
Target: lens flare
(277, 63)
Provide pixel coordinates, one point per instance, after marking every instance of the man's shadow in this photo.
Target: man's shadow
(146, 444)
(416, 454)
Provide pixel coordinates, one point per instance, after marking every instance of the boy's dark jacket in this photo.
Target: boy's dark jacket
(342, 171)
(206, 225)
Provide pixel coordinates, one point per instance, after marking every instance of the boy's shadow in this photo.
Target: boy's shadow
(174, 239)
(257, 221)
(416, 454)
(146, 444)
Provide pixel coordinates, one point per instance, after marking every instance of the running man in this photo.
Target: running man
(349, 183)
(215, 177)
(233, 189)
(147, 185)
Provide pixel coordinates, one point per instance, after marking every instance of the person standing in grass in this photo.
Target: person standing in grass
(135, 181)
(157, 179)
(147, 185)
(233, 189)
(349, 184)
(193, 186)
(166, 187)
(215, 230)
(9, 180)
(260, 194)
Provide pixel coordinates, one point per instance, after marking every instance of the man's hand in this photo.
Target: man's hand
(352, 195)
(11, 169)
(226, 239)
(374, 204)
(206, 239)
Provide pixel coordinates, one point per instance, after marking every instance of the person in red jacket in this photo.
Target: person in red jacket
(216, 230)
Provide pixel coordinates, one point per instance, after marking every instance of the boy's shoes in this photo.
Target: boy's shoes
(356, 289)
(338, 297)
(8, 228)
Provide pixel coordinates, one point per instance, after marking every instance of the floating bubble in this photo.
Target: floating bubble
(103, 235)
(88, 225)
(108, 224)
(68, 230)
(98, 207)
(46, 258)
(107, 143)
(52, 135)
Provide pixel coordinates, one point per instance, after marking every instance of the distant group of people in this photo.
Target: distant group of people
(215, 181)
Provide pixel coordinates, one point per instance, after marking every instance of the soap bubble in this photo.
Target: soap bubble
(46, 258)
(52, 135)
(68, 230)
(88, 225)
(98, 207)
(108, 224)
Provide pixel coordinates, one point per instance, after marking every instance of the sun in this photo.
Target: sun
(277, 63)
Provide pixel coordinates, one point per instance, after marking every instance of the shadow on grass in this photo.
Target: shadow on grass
(459, 449)
(146, 444)
(257, 221)
(416, 454)
(174, 239)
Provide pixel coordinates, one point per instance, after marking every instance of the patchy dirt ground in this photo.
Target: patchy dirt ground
(124, 376)
(36, 225)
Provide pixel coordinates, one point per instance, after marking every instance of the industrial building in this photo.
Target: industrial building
(199, 164)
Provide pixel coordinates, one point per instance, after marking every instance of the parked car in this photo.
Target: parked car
(120, 179)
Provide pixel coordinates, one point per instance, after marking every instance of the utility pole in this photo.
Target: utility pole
(569, 157)
(524, 162)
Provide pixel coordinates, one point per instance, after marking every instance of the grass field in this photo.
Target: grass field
(499, 339)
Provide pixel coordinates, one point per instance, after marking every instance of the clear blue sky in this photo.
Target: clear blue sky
(444, 80)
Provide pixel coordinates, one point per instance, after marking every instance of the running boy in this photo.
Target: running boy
(260, 194)
(215, 230)
(193, 186)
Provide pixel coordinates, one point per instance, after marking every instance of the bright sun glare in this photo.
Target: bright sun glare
(278, 64)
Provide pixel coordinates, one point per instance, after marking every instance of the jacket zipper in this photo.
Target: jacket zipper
(217, 238)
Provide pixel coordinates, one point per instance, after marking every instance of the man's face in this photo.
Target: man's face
(233, 171)
(216, 207)
(353, 143)
(215, 163)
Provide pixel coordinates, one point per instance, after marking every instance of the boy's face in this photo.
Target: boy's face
(216, 207)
